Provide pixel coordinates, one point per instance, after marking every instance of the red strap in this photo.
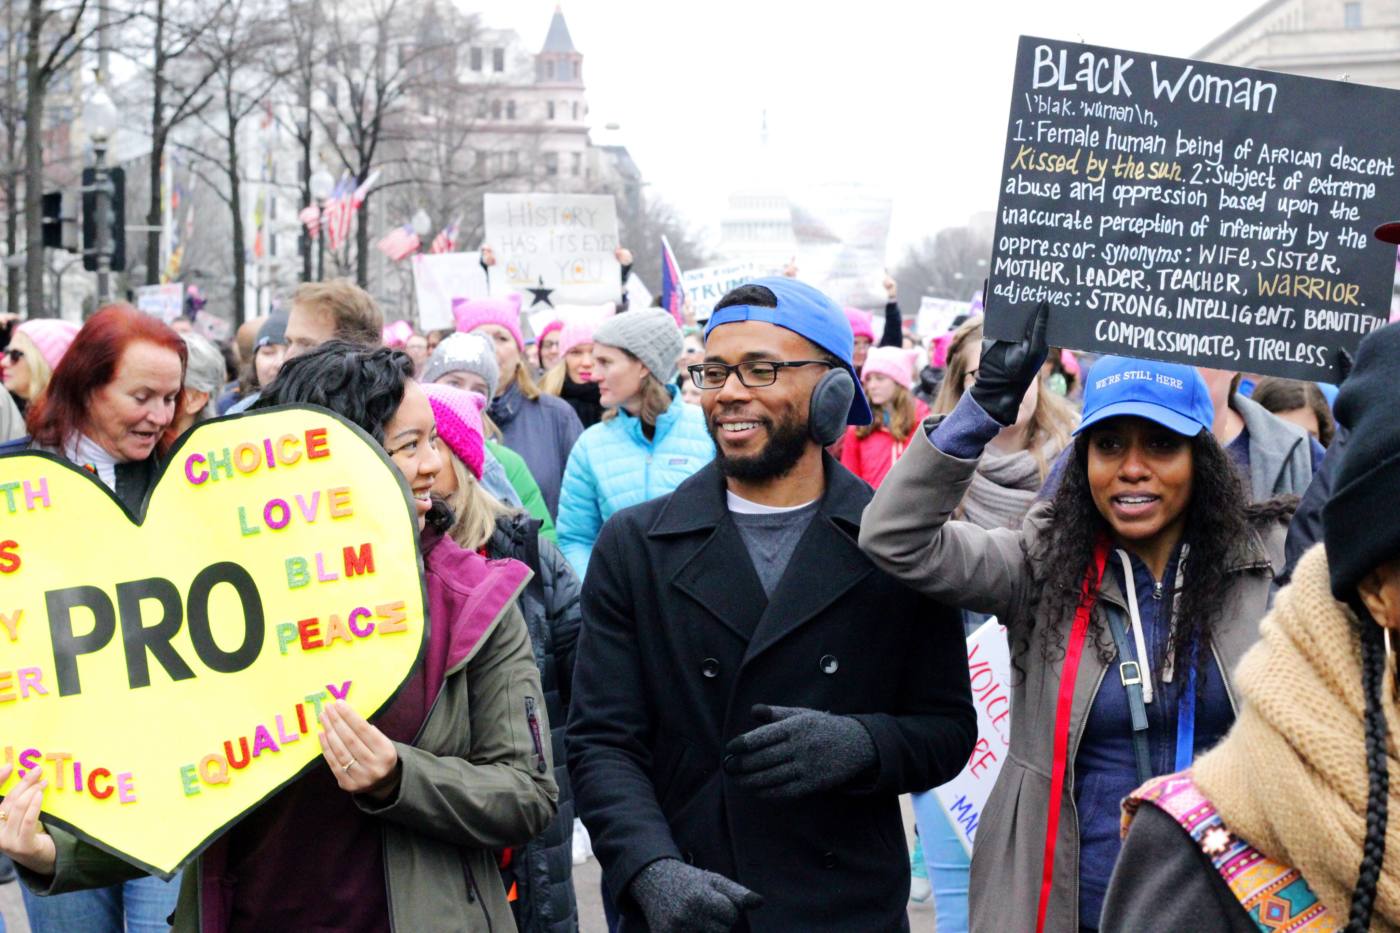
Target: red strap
(1093, 578)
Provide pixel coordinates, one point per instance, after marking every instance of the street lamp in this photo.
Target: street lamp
(100, 122)
(422, 223)
(321, 186)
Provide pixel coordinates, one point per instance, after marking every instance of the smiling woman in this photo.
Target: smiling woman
(1146, 554)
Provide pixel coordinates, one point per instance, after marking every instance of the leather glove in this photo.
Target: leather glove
(680, 898)
(799, 752)
(1009, 367)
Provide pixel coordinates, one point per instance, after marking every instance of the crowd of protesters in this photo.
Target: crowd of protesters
(732, 564)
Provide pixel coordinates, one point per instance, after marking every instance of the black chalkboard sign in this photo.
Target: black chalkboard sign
(1199, 213)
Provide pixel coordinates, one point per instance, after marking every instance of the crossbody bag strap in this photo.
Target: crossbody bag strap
(1130, 674)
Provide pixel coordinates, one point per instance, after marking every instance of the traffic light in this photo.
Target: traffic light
(113, 217)
(60, 221)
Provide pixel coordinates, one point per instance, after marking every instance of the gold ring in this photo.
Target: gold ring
(4, 817)
(347, 767)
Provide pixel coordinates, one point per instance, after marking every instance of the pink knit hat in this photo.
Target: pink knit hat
(548, 329)
(860, 324)
(52, 337)
(574, 335)
(458, 416)
(471, 313)
(895, 362)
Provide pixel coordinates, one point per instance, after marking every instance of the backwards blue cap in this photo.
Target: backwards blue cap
(804, 310)
(1172, 395)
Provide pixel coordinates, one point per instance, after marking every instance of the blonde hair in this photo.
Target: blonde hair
(552, 383)
(39, 370)
(1051, 423)
(474, 510)
(900, 412)
(523, 379)
(656, 399)
(357, 317)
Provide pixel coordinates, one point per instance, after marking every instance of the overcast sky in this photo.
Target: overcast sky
(909, 96)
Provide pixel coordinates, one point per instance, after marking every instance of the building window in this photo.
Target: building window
(481, 109)
(1351, 15)
(550, 105)
(495, 110)
(476, 58)
(549, 69)
(576, 111)
(551, 163)
(578, 69)
(513, 161)
(510, 110)
(576, 164)
(498, 59)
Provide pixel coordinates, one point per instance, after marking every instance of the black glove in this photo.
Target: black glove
(799, 752)
(680, 898)
(1344, 364)
(1009, 367)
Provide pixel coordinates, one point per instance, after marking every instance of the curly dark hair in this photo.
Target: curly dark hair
(1218, 516)
(361, 384)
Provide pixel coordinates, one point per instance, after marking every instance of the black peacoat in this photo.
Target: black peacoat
(667, 672)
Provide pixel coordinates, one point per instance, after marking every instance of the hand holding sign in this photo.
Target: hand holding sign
(1008, 368)
(21, 837)
(361, 757)
(164, 673)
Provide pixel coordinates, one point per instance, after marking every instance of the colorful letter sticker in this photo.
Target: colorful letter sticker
(165, 670)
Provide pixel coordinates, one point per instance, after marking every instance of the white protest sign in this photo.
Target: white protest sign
(166, 302)
(936, 315)
(705, 287)
(440, 277)
(562, 242)
(965, 796)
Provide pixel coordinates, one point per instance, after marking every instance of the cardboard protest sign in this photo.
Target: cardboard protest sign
(936, 315)
(965, 796)
(563, 243)
(166, 302)
(1194, 212)
(704, 287)
(164, 671)
(440, 277)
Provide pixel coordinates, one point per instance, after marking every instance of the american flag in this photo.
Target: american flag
(311, 216)
(400, 243)
(338, 213)
(672, 294)
(446, 240)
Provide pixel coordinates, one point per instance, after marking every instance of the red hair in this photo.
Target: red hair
(91, 363)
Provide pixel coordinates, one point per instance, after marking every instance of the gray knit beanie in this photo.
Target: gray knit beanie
(470, 353)
(649, 334)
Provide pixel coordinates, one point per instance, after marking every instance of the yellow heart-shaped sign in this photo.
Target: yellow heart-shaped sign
(164, 671)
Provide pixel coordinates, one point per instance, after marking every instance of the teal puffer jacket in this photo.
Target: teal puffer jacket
(613, 466)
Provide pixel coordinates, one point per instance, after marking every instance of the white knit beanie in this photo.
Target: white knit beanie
(649, 334)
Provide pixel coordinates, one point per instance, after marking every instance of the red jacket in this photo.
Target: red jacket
(871, 457)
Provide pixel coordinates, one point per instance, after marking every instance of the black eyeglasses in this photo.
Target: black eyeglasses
(14, 355)
(756, 374)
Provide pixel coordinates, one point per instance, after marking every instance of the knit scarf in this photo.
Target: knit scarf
(1002, 490)
(1291, 778)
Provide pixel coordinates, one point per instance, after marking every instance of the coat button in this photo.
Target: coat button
(829, 664)
(828, 860)
(710, 668)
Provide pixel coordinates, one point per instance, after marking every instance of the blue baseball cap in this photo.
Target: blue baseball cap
(804, 310)
(1170, 394)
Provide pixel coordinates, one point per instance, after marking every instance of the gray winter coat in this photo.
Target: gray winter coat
(543, 432)
(1280, 453)
(907, 531)
(11, 422)
(543, 869)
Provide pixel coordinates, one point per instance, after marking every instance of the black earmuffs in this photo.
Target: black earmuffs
(831, 406)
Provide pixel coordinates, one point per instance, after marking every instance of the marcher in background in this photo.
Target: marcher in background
(11, 421)
(204, 376)
(1015, 463)
(1291, 820)
(107, 409)
(468, 362)
(1275, 457)
(35, 350)
(649, 441)
(1299, 402)
(547, 352)
(269, 350)
(572, 377)
(541, 428)
(871, 449)
(403, 837)
(741, 731)
(436, 337)
(416, 346)
(1147, 533)
(864, 335)
(538, 876)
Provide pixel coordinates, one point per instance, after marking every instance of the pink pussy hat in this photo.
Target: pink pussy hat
(52, 337)
(458, 416)
(860, 324)
(895, 362)
(574, 335)
(471, 313)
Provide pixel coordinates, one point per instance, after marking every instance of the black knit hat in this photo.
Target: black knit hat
(1359, 523)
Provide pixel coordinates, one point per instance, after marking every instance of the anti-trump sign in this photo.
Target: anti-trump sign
(164, 671)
